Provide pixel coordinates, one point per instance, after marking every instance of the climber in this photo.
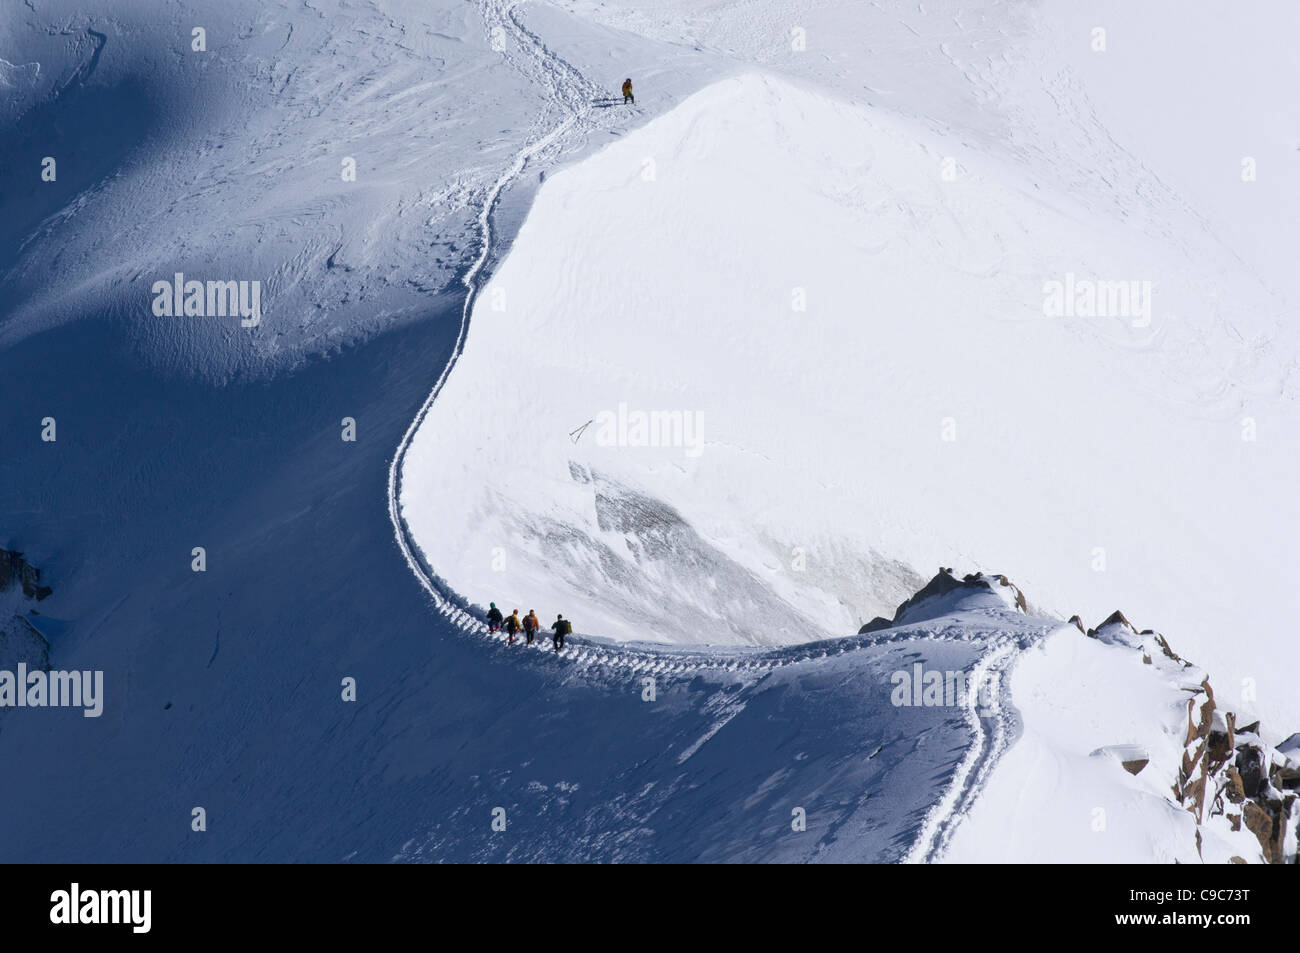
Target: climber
(627, 93)
(562, 628)
(493, 617)
(531, 625)
(512, 625)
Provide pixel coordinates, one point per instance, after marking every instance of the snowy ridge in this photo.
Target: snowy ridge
(571, 92)
(993, 730)
(990, 729)
(924, 304)
(503, 15)
(1126, 756)
(992, 722)
(636, 292)
(568, 88)
(283, 735)
(908, 775)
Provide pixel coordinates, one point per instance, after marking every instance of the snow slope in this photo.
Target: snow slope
(223, 687)
(1147, 136)
(736, 745)
(1062, 793)
(1051, 800)
(231, 163)
(923, 409)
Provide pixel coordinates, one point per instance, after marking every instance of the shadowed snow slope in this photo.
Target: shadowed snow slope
(223, 687)
(732, 752)
(337, 153)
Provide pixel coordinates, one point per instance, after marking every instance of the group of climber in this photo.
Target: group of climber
(529, 625)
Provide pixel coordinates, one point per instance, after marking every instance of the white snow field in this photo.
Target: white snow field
(765, 252)
(857, 368)
(866, 374)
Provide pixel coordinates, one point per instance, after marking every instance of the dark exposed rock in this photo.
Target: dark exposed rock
(1116, 629)
(1220, 749)
(875, 625)
(20, 641)
(1250, 766)
(1208, 709)
(1269, 827)
(943, 583)
(1169, 653)
(976, 578)
(15, 569)
(1115, 618)
(1219, 769)
(1235, 790)
(1130, 635)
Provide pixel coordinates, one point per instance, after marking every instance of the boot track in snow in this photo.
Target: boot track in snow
(993, 729)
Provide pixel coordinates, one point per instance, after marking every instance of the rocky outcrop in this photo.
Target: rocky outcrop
(944, 583)
(1132, 758)
(1225, 771)
(19, 639)
(1227, 777)
(16, 570)
(1221, 771)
